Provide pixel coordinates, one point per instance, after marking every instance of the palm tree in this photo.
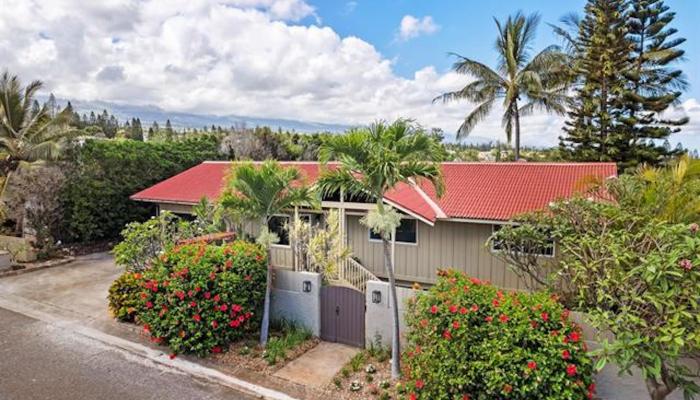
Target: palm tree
(258, 193)
(29, 133)
(540, 82)
(372, 161)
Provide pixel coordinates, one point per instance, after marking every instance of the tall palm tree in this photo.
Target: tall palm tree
(29, 133)
(539, 82)
(372, 161)
(259, 192)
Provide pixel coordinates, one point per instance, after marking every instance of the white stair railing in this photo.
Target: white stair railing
(354, 274)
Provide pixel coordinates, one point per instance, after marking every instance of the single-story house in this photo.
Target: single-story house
(450, 231)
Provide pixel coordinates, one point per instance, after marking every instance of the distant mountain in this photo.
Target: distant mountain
(150, 113)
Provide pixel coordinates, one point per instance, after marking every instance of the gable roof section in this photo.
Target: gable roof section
(475, 191)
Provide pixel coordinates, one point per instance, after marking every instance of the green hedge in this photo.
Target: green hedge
(104, 173)
(470, 340)
(199, 298)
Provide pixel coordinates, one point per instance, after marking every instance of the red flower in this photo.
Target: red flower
(434, 309)
(463, 310)
(466, 397)
(533, 324)
(247, 277)
(228, 264)
(149, 304)
(234, 323)
(453, 309)
(565, 354)
(475, 281)
(544, 316)
(207, 295)
(531, 365)
(236, 308)
(217, 298)
(190, 293)
(214, 324)
(475, 308)
(412, 396)
(446, 334)
(507, 388)
(424, 323)
(144, 295)
(455, 324)
(574, 336)
(420, 384)
(212, 275)
(495, 303)
(503, 318)
(180, 294)
(197, 318)
(216, 349)
(146, 328)
(223, 307)
(197, 289)
(193, 304)
(172, 356)
(571, 370)
(489, 318)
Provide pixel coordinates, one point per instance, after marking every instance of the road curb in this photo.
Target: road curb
(33, 310)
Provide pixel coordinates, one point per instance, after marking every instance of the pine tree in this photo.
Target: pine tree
(594, 130)
(168, 130)
(136, 129)
(653, 84)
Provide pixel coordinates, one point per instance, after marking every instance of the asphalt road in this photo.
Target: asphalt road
(40, 361)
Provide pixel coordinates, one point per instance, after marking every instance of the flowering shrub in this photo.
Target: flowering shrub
(470, 340)
(124, 297)
(198, 298)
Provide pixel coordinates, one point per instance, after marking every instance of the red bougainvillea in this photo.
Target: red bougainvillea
(196, 298)
(505, 346)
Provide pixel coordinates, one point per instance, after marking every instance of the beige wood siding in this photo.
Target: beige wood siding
(458, 245)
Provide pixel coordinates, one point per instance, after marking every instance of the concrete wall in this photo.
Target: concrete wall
(457, 245)
(378, 317)
(289, 302)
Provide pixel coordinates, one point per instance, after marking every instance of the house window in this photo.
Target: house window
(278, 225)
(546, 251)
(405, 232)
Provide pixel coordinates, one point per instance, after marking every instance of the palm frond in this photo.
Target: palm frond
(479, 113)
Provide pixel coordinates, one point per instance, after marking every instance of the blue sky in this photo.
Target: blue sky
(467, 28)
(337, 62)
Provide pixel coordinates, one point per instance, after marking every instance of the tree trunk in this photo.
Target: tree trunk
(395, 343)
(660, 390)
(516, 114)
(265, 328)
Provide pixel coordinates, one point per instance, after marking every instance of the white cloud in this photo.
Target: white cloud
(412, 27)
(244, 57)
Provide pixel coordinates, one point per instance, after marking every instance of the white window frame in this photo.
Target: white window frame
(494, 250)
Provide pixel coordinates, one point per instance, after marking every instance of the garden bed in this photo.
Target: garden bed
(366, 376)
(249, 355)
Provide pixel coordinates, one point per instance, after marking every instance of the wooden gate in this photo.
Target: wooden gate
(343, 315)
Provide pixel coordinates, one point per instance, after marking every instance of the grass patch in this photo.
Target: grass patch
(291, 335)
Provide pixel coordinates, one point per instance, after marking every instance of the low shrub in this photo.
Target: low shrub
(124, 296)
(469, 339)
(198, 298)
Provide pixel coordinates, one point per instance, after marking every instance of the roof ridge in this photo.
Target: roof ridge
(439, 213)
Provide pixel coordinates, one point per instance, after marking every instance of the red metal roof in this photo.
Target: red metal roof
(483, 191)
